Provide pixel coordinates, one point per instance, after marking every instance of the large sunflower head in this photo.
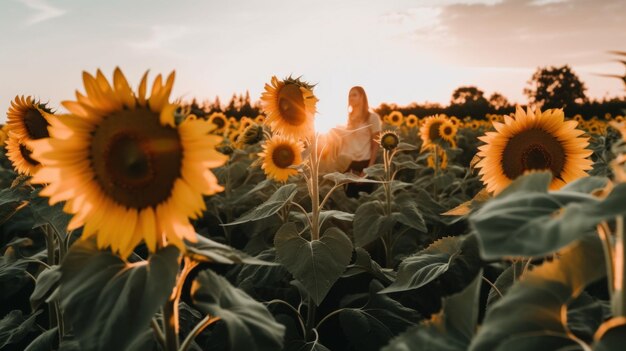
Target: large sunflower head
(121, 155)
(533, 141)
(429, 131)
(447, 132)
(28, 119)
(280, 154)
(289, 105)
(20, 156)
(389, 140)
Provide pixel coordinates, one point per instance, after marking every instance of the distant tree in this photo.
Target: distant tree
(217, 105)
(555, 87)
(468, 101)
(498, 101)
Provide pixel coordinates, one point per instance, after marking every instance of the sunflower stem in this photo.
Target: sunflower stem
(53, 312)
(315, 192)
(604, 233)
(619, 299)
(310, 318)
(170, 309)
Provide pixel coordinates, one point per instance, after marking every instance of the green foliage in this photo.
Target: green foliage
(250, 325)
(110, 302)
(15, 326)
(316, 264)
(278, 200)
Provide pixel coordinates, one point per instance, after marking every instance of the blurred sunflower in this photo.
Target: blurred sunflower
(429, 131)
(122, 156)
(4, 135)
(579, 118)
(396, 118)
(289, 106)
(279, 154)
(244, 123)
(474, 125)
(447, 131)
(260, 119)
(220, 122)
(20, 156)
(252, 135)
(389, 140)
(455, 121)
(411, 121)
(533, 141)
(594, 128)
(28, 119)
(619, 119)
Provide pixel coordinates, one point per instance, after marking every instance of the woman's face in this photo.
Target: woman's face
(354, 98)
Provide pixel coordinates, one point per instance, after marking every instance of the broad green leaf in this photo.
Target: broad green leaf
(47, 281)
(585, 314)
(251, 277)
(300, 345)
(427, 265)
(372, 326)
(46, 341)
(12, 275)
(533, 223)
(449, 330)
(316, 264)
(270, 207)
(538, 300)
(15, 326)
(363, 263)
(586, 185)
(250, 325)
(533, 182)
(110, 302)
(611, 335)
(505, 281)
(370, 223)
(54, 215)
(409, 214)
(207, 250)
(345, 178)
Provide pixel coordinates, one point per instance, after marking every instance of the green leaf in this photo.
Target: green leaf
(586, 185)
(207, 250)
(110, 302)
(527, 223)
(372, 326)
(250, 325)
(584, 316)
(47, 281)
(427, 265)
(611, 335)
(44, 214)
(12, 275)
(505, 281)
(280, 198)
(345, 178)
(14, 327)
(301, 345)
(409, 214)
(47, 340)
(316, 264)
(370, 223)
(363, 263)
(449, 330)
(538, 300)
(533, 182)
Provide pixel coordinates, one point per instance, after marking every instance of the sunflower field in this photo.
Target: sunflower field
(130, 223)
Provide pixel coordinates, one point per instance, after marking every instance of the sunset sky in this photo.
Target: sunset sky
(399, 51)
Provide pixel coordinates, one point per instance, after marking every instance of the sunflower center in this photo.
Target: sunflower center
(533, 149)
(136, 159)
(219, 122)
(291, 105)
(389, 141)
(26, 155)
(36, 124)
(283, 156)
(447, 131)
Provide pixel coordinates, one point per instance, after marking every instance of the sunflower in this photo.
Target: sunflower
(4, 135)
(619, 119)
(279, 155)
(289, 105)
(533, 141)
(578, 118)
(455, 121)
(220, 122)
(28, 119)
(260, 119)
(244, 123)
(442, 157)
(429, 131)
(411, 121)
(474, 125)
(252, 135)
(389, 140)
(122, 156)
(447, 131)
(20, 156)
(395, 118)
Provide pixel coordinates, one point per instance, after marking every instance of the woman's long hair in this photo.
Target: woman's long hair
(362, 116)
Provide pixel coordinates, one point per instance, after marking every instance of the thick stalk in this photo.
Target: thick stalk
(310, 319)
(54, 314)
(619, 299)
(315, 193)
(604, 233)
(170, 309)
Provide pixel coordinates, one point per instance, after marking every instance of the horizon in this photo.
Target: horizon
(401, 52)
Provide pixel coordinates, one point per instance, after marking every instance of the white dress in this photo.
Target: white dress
(357, 143)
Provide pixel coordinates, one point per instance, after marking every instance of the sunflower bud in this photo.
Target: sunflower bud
(251, 135)
(389, 140)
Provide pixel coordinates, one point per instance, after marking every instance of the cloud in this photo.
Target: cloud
(523, 33)
(43, 11)
(160, 37)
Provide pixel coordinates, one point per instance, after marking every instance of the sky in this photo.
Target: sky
(400, 51)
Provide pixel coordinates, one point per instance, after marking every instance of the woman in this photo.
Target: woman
(359, 143)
